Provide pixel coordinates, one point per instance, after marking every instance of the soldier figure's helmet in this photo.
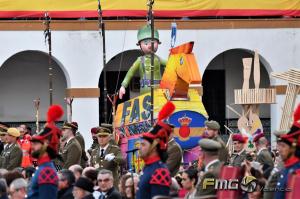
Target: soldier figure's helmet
(145, 33)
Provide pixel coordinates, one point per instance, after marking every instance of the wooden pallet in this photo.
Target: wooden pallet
(292, 76)
(255, 96)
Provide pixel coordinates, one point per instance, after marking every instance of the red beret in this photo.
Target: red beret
(238, 137)
(94, 130)
(257, 136)
(75, 124)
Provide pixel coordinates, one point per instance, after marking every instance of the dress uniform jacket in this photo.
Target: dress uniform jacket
(11, 157)
(1, 146)
(80, 140)
(155, 180)
(264, 157)
(44, 183)
(94, 146)
(223, 152)
(174, 157)
(237, 159)
(211, 171)
(113, 194)
(71, 153)
(291, 166)
(2, 155)
(114, 165)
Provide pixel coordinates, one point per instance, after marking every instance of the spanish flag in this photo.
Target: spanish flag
(138, 8)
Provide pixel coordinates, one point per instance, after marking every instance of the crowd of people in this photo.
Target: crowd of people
(54, 164)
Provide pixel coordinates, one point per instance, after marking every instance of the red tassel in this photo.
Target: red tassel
(55, 112)
(297, 114)
(166, 111)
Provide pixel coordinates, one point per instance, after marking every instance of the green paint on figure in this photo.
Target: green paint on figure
(143, 63)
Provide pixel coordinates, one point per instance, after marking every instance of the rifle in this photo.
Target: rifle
(47, 33)
(37, 106)
(150, 19)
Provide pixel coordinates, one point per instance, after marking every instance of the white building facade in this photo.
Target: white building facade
(78, 62)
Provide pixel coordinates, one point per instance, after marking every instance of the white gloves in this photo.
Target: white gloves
(109, 157)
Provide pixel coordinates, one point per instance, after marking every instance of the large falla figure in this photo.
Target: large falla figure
(143, 63)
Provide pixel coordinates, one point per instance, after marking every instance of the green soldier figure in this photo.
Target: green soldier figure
(12, 154)
(212, 165)
(107, 156)
(143, 63)
(239, 154)
(72, 151)
(212, 132)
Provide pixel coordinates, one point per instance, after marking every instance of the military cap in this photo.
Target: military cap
(3, 128)
(212, 124)
(238, 137)
(94, 130)
(3, 133)
(13, 132)
(67, 125)
(105, 125)
(51, 132)
(257, 136)
(281, 138)
(103, 131)
(209, 145)
(75, 125)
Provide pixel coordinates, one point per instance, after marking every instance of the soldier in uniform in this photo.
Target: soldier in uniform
(107, 156)
(12, 154)
(80, 140)
(289, 150)
(71, 153)
(212, 132)
(156, 178)
(239, 154)
(95, 143)
(275, 173)
(110, 127)
(264, 156)
(3, 132)
(174, 156)
(212, 166)
(44, 147)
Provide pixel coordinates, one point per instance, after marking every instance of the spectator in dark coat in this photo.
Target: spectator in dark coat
(83, 189)
(65, 184)
(106, 182)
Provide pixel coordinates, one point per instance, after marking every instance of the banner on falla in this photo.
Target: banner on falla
(138, 8)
